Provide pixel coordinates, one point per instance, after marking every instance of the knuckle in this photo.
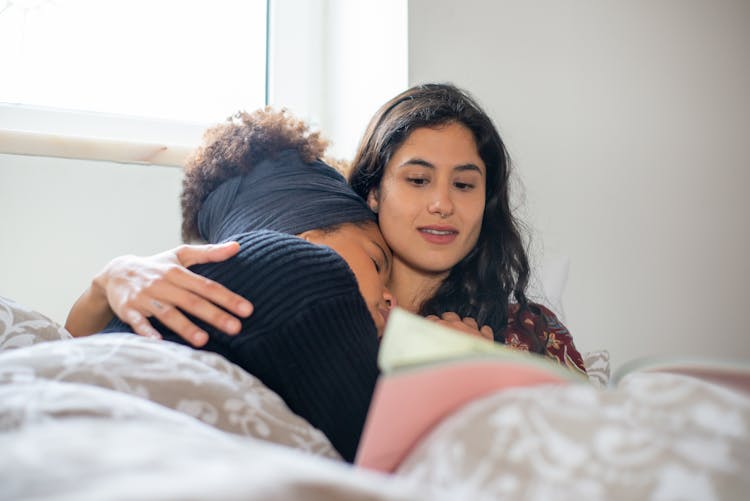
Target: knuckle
(210, 286)
(150, 284)
(222, 321)
(131, 316)
(191, 302)
(168, 315)
(178, 324)
(170, 274)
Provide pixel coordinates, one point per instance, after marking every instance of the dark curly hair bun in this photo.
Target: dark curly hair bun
(262, 170)
(234, 147)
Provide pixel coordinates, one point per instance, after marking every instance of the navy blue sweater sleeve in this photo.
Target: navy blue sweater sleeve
(310, 338)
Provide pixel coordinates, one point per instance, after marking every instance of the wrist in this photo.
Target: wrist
(99, 284)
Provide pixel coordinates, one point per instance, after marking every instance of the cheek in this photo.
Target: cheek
(392, 227)
(393, 218)
(369, 282)
(474, 212)
(400, 204)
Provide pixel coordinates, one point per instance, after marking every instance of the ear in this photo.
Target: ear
(373, 200)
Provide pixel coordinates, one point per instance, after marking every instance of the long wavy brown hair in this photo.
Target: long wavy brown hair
(482, 283)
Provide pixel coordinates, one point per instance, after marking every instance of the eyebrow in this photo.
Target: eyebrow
(429, 165)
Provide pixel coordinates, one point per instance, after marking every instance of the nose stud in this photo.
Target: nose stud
(437, 208)
(440, 211)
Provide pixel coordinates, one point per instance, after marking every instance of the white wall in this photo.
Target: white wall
(334, 62)
(63, 219)
(628, 123)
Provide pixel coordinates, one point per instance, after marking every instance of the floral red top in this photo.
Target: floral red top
(554, 336)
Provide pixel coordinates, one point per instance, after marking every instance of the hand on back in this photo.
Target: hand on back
(162, 287)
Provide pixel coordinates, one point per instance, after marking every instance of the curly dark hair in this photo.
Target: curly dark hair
(234, 147)
(481, 284)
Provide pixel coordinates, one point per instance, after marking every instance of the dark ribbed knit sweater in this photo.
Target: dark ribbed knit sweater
(310, 338)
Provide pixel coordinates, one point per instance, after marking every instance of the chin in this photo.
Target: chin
(438, 267)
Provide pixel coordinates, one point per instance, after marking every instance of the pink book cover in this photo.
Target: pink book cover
(407, 405)
(428, 372)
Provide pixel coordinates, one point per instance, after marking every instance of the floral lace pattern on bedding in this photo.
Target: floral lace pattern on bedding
(657, 436)
(597, 367)
(21, 326)
(67, 441)
(197, 383)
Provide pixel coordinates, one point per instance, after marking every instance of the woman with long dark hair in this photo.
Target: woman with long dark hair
(433, 165)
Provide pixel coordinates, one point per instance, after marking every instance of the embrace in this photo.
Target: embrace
(303, 265)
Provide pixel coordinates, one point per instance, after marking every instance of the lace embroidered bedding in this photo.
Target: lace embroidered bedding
(122, 417)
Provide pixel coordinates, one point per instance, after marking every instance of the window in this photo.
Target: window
(179, 60)
(102, 79)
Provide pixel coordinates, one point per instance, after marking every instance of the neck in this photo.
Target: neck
(411, 286)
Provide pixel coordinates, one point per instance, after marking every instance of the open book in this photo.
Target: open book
(427, 372)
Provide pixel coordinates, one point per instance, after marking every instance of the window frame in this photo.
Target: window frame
(313, 79)
(27, 129)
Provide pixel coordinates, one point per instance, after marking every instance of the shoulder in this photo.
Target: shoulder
(282, 273)
(270, 253)
(555, 337)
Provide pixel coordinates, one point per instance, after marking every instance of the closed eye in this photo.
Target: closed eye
(464, 186)
(418, 181)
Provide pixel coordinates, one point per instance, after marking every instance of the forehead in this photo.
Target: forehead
(448, 145)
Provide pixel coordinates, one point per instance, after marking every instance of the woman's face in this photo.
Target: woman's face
(366, 253)
(431, 198)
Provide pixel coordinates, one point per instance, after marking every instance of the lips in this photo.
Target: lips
(438, 234)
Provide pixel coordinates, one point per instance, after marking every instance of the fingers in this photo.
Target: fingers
(189, 255)
(450, 316)
(487, 332)
(175, 320)
(466, 325)
(160, 286)
(471, 323)
(205, 299)
(203, 287)
(168, 315)
(140, 324)
(165, 302)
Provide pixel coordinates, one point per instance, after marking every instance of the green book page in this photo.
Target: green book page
(411, 341)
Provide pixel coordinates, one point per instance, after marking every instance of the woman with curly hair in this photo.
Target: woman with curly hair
(311, 258)
(434, 167)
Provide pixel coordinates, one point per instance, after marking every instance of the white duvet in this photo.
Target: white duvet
(122, 417)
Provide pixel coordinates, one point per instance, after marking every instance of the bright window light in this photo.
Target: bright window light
(194, 61)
